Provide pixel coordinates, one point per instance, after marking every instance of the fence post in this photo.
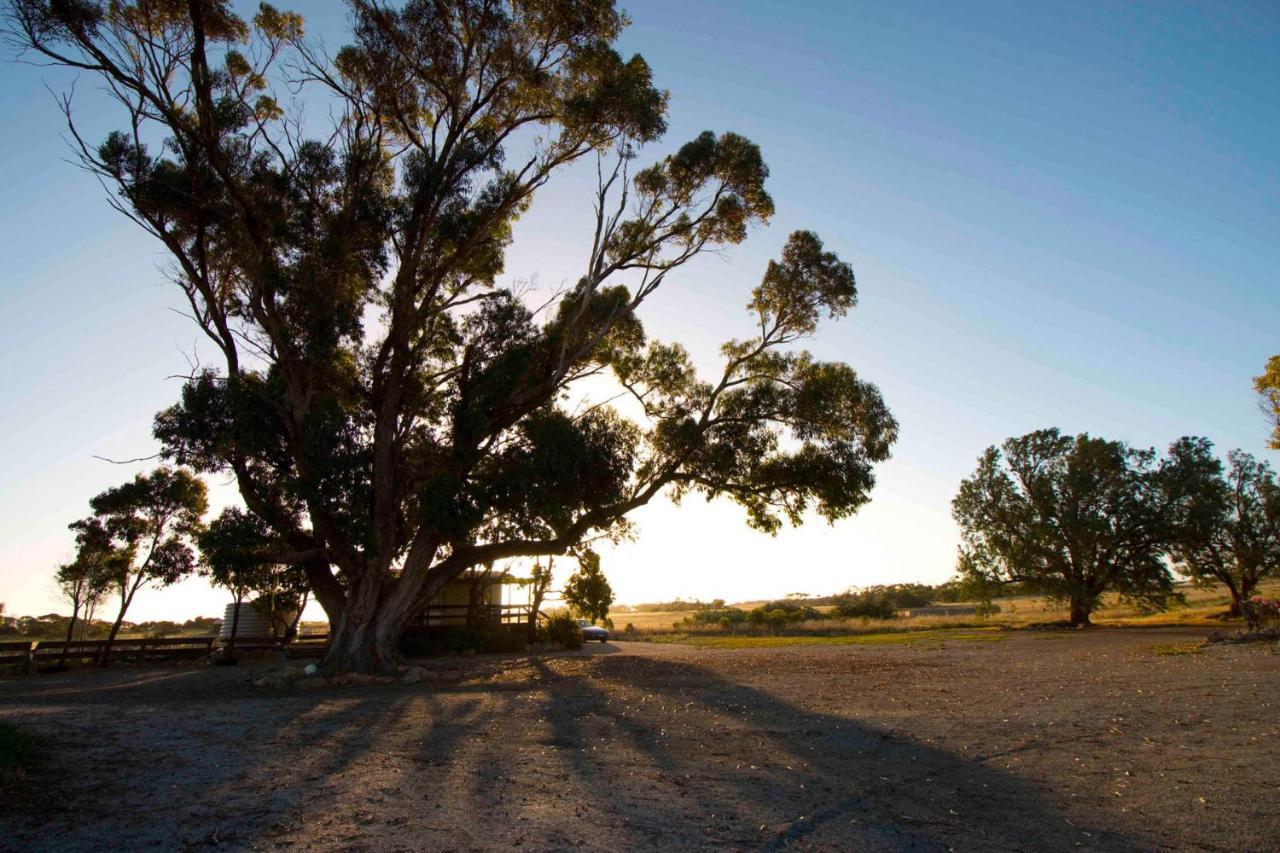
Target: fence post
(29, 662)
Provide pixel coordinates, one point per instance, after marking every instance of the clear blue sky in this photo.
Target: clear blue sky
(1060, 214)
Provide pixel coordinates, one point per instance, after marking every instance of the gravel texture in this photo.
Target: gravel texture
(1048, 740)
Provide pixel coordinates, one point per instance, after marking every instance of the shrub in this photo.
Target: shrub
(716, 616)
(561, 630)
(873, 603)
(988, 608)
(1261, 612)
(793, 611)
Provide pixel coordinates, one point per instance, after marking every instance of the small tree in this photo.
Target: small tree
(587, 592)
(152, 517)
(234, 550)
(86, 580)
(1227, 527)
(1069, 517)
(539, 582)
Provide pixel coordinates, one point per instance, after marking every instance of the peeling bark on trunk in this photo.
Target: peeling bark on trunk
(352, 634)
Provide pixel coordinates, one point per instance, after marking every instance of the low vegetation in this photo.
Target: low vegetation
(1206, 607)
(904, 638)
(17, 756)
(53, 626)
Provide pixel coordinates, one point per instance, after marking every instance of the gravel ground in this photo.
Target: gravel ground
(1038, 741)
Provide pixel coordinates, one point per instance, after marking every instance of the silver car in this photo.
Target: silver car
(593, 632)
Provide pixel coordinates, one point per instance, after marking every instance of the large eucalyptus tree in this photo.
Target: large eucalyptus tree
(390, 411)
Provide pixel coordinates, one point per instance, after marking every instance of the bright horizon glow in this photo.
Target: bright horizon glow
(1059, 215)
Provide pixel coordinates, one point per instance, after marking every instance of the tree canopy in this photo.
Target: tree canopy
(392, 412)
(146, 527)
(86, 580)
(587, 592)
(1267, 385)
(1226, 523)
(1069, 517)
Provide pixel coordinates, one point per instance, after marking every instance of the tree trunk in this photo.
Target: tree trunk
(327, 590)
(125, 601)
(292, 633)
(539, 591)
(87, 622)
(1080, 610)
(371, 647)
(71, 627)
(351, 636)
(235, 626)
(366, 636)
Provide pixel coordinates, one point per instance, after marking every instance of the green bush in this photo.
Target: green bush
(873, 603)
(561, 630)
(716, 616)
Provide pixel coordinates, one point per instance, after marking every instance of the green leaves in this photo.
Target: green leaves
(1225, 522)
(168, 501)
(385, 405)
(1070, 517)
(1267, 386)
(587, 592)
(708, 192)
(277, 25)
(806, 283)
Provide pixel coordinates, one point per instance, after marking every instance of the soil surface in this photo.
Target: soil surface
(1041, 740)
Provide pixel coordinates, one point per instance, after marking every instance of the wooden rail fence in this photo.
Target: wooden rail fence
(30, 656)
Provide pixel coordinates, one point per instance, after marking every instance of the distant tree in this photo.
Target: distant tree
(1067, 517)
(1226, 524)
(393, 412)
(587, 592)
(236, 554)
(873, 603)
(151, 519)
(86, 581)
(1267, 384)
(539, 583)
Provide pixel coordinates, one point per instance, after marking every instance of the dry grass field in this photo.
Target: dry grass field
(1111, 739)
(1200, 609)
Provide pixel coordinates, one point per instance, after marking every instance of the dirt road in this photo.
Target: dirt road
(1037, 741)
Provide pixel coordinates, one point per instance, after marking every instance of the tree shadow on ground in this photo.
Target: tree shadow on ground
(619, 751)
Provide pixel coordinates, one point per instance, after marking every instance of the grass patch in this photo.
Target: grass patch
(897, 638)
(1174, 649)
(17, 755)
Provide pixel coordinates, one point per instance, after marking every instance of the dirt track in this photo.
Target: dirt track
(1039, 741)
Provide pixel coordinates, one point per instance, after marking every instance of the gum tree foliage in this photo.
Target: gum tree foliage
(236, 550)
(1267, 386)
(391, 412)
(587, 592)
(1226, 522)
(148, 524)
(1068, 517)
(86, 580)
(539, 581)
